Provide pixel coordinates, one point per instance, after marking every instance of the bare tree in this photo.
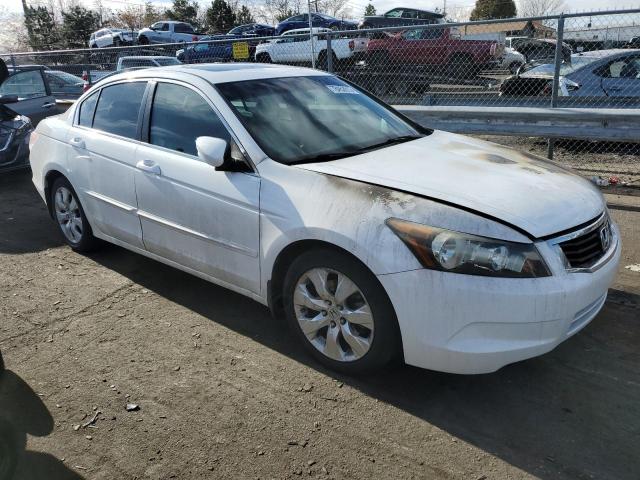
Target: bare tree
(13, 35)
(539, 8)
(335, 8)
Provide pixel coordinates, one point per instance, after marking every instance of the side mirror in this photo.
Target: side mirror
(4, 99)
(212, 150)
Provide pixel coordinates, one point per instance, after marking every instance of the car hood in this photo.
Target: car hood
(517, 188)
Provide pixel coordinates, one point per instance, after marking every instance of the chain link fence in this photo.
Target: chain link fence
(576, 61)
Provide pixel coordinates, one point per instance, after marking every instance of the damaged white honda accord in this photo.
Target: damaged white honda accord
(379, 240)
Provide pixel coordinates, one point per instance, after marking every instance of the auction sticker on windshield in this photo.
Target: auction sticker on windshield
(343, 89)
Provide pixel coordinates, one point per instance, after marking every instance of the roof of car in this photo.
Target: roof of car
(221, 72)
(606, 53)
(306, 30)
(144, 57)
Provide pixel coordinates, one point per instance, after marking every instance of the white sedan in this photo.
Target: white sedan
(378, 239)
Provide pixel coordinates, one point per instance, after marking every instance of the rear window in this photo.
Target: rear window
(118, 109)
(183, 28)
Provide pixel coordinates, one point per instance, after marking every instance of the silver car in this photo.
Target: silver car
(601, 73)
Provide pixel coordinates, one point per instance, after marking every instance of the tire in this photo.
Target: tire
(462, 66)
(372, 332)
(263, 58)
(116, 42)
(379, 58)
(70, 217)
(323, 62)
(143, 40)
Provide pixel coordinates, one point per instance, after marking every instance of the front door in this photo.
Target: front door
(192, 214)
(34, 101)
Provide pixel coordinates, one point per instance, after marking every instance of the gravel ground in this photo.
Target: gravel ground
(621, 160)
(224, 391)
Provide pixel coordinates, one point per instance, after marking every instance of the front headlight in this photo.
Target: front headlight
(449, 251)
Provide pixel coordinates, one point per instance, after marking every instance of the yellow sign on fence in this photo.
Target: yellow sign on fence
(240, 50)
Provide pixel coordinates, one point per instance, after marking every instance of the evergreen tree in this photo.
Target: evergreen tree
(219, 17)
(77, 24)
(243, 16)
(369, 10)
(183, 11)
(490, 9)
(42, 30)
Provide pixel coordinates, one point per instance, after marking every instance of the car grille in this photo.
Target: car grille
(585, 250)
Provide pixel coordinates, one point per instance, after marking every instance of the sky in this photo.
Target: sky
(357, 6)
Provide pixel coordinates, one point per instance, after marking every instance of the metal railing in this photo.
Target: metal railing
(496, 68)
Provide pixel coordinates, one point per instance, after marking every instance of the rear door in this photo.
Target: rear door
(192, 214)
(102, 148)
(622, 77)
(34, 97)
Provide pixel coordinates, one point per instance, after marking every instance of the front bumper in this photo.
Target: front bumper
(469, 324)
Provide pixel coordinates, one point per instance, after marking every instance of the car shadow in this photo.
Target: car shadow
(570, 413)
(25, 225)
(23, 413)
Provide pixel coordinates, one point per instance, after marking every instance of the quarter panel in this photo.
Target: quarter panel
(297, 204)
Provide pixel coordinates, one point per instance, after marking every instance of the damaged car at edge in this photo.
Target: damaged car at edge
(379, 240)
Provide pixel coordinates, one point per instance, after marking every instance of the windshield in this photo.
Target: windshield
(316, 118)
(163, 62)
(566, 68)
(64, 76)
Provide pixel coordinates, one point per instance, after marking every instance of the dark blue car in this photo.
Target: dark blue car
(318, 19)
(253, 29)
(207, 52)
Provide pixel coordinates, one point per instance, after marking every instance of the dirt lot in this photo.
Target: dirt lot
(225, 392)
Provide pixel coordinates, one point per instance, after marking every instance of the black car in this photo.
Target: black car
(253, 29)
(402, 16)
(540, 50)
(25, 99)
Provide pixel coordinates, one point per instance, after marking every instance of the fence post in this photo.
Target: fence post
(13, 62)
(556, 77)
(329, 55)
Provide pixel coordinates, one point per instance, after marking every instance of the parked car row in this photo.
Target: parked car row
(167, 31)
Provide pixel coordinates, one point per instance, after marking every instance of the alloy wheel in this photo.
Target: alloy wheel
(333, 314)
(68, 214)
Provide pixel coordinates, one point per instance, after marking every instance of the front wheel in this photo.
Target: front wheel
(143, 40)
(341, 312)
(70, 217)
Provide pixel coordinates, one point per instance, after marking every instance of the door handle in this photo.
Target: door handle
(48, 104)
(149, 166)
(77, 142)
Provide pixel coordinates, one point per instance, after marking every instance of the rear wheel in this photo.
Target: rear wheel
(340, 312)
(263, 58)
(116, 42)
(70, 217)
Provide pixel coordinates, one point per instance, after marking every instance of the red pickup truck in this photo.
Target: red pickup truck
(437, 47)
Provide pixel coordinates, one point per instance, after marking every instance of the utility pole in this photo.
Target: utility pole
(313, 50)
(444, 7)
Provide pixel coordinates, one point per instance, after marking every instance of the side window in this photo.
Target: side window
(624, 68)
(118, 108)
(165, 27)
(412, 35)
(432, 33)
(87, 109)
(25, 85)
(179, 116)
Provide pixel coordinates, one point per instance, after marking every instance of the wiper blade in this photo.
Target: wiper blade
(326, 157)
(389, 142)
